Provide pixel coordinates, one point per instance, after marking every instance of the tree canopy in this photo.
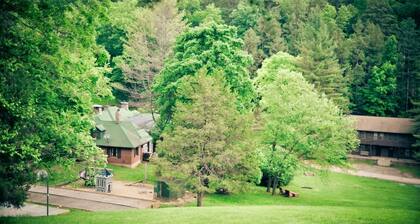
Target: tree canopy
(50, 76)
(209, 145)
(210, 46)
(297, 122)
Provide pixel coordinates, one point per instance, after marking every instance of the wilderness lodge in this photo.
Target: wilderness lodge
(384, 136)
(122, 134)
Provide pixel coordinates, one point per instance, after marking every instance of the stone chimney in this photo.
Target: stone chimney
(117, 116)
(98, 108)
(124, 105)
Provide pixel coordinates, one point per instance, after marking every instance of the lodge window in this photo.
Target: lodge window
(114, 152)
(136, 151)
(369, 135)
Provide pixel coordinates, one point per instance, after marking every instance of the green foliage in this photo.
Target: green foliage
(263, 39)
(209, 145)
(279, 165)
(210, 46)
(380, 92)
(210, 14)
(379, 95)
(416, 129)
(345, 15)
(49, 76)
(318, 59)
(297, 123)
(245, 17)
(409, 67)
(252, 46)
(382, 14)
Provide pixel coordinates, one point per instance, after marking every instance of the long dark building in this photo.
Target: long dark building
(385, 136)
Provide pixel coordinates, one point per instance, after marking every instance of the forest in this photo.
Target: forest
(324, 59)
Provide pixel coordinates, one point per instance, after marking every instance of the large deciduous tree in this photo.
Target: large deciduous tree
(213, 47)
(297, 122)
(149, 44)
(209, 145)
(47, 82)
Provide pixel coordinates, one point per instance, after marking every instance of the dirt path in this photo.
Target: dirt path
(31, 210)
(377, 172)
(122, 188)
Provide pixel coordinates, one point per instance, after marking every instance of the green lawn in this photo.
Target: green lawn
(134, 174)
(413, 170)
(60, 175)
(237, 215)
(334, 198)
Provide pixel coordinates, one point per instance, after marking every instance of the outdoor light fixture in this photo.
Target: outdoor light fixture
(43, 175)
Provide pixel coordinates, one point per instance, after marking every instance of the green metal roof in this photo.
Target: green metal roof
(109, 114)
(100, 127)
(124, 134)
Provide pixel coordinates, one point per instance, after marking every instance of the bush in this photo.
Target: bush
(167, 190)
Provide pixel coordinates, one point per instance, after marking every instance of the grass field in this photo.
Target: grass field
(331, 198)
(63, 175)
(413, 170)
(134, 174)
(60, 175)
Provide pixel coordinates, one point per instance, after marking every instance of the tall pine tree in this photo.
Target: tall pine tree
(318, 60)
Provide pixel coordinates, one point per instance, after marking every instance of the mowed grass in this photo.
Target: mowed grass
(60, 175)
(134, 174)
(235, 215)
(333, 198)
(331, 189)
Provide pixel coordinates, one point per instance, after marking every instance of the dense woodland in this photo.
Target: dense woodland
(321, 59)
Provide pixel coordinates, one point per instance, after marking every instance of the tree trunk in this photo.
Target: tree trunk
(200, 199)
(269, 182)
(275, 182)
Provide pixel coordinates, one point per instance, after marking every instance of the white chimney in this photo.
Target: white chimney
(124, 105)
(117, 116)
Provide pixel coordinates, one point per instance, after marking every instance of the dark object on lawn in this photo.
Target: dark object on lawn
(222, 190)
(288, 193)
(103, 180)
(307, 187)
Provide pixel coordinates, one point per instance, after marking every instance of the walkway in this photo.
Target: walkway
(364, 173)
(91, 201)
(31, 210)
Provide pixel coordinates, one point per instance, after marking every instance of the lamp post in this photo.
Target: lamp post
(43, 175)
